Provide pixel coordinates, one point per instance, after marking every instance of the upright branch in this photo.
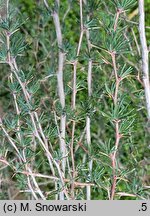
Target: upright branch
(113, 56)
(88, 119)
(74, 92)
(119, 11)
(144, 49)
(116, 121)
(60, 82)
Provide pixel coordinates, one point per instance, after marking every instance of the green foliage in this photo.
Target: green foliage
(124, 4)
(32, 110)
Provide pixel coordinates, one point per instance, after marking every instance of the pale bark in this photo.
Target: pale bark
(88, 119)
(144, 49)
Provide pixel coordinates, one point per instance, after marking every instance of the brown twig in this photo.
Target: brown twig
(116, 121)
(54, 178)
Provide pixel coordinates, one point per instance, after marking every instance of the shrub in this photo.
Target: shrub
(73, 120)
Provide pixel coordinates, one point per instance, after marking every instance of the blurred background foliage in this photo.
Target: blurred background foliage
(40, 60)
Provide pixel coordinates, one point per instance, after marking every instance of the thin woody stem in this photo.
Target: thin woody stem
(60, 82)
(116, 121)
(145, 61)
(74, 92)
(88, 119)
(113, 55)
(72, 159)
(113, 158)
(119, 11)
